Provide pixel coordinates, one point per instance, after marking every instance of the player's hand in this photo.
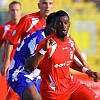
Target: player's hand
(48, 44)
(93, 74)
(5, 67)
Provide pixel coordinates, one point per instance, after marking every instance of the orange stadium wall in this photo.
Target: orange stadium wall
(3, 88)
(89, 82)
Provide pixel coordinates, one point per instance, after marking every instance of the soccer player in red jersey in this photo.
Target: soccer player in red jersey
(7, 29)
(55, 56)
(5, 33)
(27, 25)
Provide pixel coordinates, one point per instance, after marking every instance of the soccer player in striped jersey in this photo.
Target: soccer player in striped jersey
(25, 83)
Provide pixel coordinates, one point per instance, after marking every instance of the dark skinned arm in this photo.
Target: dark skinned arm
(78, 67)
(32, 62)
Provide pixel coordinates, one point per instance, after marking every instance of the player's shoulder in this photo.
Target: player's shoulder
(7, 23)
(51, 36)
(69, 36)
(32, 15)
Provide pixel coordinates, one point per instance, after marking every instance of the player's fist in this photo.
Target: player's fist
(48, 44)
(93, 74)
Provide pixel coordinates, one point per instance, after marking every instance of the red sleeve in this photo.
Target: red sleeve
(1, 34)
(19, 30)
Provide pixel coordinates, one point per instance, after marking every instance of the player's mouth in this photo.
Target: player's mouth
(46, 11)
(63, 30)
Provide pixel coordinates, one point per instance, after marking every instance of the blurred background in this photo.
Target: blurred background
(85, 24)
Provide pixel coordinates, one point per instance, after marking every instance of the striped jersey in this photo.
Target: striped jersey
(25, 49)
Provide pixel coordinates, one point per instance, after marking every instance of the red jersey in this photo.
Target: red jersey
(5, 33)
(57, 81)
(27, 25)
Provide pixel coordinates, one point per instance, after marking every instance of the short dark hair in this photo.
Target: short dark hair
(50, 18)
(60, 13)
(14, 2)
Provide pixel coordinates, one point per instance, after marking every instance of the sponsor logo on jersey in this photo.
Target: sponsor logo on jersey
(62, 64)
(65, 48)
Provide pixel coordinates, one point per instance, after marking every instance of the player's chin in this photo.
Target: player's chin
(47, 12)
(64, 33)
(15, 18)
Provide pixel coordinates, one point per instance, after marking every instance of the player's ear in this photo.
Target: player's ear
(39, 5)
(69, 24)
(54, 25)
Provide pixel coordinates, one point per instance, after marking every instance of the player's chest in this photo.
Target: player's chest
(60, 53)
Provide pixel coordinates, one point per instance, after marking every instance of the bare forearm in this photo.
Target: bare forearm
(6, 63)
(78, 54)
(32, 62)
(9, 48)
(80, 57)
(76, 66)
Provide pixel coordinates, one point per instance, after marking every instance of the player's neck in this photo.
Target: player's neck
(43, 16)
(15, 21)
(61, 38)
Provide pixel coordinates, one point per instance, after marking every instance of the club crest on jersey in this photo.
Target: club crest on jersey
(14, 32)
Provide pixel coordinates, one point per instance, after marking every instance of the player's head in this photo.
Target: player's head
(49, 29)
(62, 23)
(15, 10)
(46, 7)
